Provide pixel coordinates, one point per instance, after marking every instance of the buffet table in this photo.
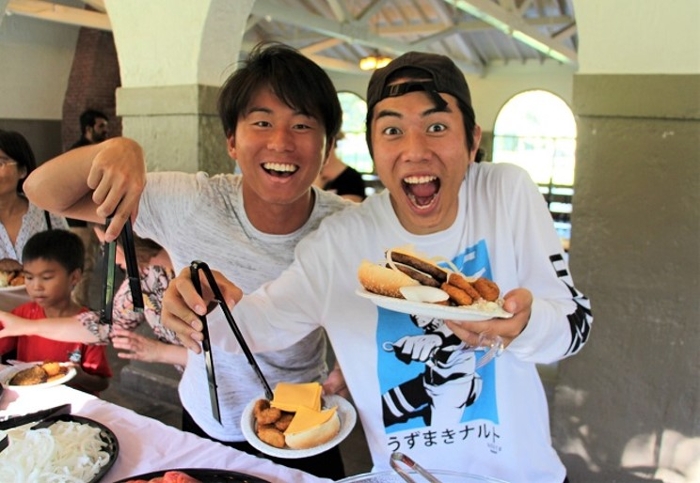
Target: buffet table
(147, 445)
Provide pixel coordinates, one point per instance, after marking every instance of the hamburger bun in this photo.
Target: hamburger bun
(315, 436)
(382, 280)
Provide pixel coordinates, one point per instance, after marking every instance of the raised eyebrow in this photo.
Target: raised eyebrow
(427, 112)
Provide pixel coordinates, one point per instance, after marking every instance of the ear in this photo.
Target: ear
(74, 277)
(476, 144)
(231, 146)
(330, 146)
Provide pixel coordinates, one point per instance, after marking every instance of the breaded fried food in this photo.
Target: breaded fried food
(459, 281)
(53, 368)
(271, 435)
(29, 377)
(487, 289)
(283, 422)
(457, 295)
(264, 414)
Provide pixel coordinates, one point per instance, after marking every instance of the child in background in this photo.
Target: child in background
(53, 265)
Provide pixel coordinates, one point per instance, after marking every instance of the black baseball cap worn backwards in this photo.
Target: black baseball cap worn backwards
(441, 75)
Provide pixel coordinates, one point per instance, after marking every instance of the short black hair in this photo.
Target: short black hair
(297, 80)
(62, 246)
(18, 149)
(89, 117)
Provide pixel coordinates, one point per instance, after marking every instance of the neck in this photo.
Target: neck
(66, 308)
(278, 218)
(11, 203)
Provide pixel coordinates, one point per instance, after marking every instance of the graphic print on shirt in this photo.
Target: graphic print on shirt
(429, 384)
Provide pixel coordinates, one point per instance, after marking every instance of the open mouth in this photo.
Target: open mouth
(421, 190)
(281, 170)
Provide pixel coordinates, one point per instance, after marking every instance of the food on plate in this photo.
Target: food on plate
(404, 268)
(10, 273)
(294, 418)
(73, 450)
(169, 477)
(39, 373)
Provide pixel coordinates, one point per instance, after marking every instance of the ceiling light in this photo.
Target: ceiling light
(375, 61)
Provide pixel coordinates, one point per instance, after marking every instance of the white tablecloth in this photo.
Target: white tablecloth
(147, 445)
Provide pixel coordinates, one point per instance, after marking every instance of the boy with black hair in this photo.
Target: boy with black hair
(53, 265)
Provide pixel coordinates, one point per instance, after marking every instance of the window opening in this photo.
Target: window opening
(537, 131)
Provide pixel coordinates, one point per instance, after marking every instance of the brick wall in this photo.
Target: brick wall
(92, 83)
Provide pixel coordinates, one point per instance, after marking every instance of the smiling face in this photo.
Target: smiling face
(280, 152)
(421, 156)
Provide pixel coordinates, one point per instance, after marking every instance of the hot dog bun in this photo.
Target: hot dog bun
(315, 436)
(382, 280)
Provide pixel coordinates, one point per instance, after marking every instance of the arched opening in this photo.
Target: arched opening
(537, 131)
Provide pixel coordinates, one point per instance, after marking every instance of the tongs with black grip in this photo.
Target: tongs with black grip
(195, 267)
(38, 416)
(109, 271)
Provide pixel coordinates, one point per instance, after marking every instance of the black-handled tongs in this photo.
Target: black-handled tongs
(109, 271)
(195, 267)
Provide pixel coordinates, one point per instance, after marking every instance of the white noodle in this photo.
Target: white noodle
(65, 452)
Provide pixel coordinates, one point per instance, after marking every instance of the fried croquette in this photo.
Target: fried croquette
(487, 289)
(271, 435)
(459, 281)
(283, 422)
(264, 414)
(29, 377)
(53, 368)
(457, 295)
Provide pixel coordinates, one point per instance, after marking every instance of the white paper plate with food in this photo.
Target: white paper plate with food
(346, 418)
(481, 310)
(35, 375)
(13, 288)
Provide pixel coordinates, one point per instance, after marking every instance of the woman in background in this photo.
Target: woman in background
(19, 219)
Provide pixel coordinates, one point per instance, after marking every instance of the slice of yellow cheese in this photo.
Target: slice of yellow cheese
(306, 419)
(291, 397)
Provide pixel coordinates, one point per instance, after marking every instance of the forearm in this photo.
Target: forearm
(171, 354)
(65, 184)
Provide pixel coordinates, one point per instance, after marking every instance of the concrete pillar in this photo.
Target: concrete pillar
(628, 403)
(173, 56)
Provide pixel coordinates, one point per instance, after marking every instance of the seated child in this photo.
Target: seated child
(53, 265)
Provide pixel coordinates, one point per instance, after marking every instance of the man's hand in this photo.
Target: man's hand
(518, 302)
(335, 383)
(117, 177)
(182, 305)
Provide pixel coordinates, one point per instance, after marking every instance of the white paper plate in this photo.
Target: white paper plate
(346, 413)
(8, 373)
(13, 288)
(488, 310)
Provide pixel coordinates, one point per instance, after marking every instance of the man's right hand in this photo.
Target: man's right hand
(182, 305)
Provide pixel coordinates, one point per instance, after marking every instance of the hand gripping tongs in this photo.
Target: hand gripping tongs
(195, 267)
(109, 271)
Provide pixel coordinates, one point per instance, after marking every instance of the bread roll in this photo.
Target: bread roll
(315, 436)
(382, 280)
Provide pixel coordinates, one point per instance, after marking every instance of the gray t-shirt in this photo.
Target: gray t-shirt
(197, 217)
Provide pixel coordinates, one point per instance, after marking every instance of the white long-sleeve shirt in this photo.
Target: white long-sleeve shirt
(504, 232)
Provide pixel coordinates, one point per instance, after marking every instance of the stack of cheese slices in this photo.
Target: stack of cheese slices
(311, 425)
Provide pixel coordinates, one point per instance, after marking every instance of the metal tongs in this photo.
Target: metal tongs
(195, 267)
(109, 271)
(397, 458)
